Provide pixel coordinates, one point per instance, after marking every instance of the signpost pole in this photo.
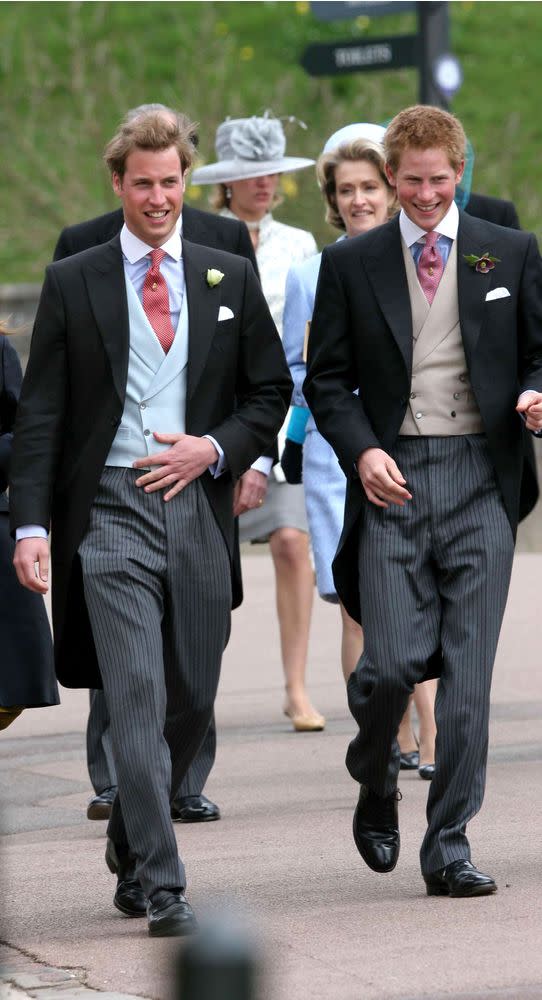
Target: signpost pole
(434, 37)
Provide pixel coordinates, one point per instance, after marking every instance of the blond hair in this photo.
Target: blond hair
(351, 152)
(153, 131)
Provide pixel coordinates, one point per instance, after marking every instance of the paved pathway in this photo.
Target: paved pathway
(283, 856)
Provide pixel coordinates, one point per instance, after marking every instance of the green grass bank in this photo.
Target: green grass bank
(68, 71)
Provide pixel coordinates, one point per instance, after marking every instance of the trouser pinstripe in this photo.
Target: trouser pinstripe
(433, 573)
(100, 756)
(157, 585)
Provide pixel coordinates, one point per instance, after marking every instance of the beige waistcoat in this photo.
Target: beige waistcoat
(441, 400)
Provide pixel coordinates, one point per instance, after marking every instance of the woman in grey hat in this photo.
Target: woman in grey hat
(250, 158)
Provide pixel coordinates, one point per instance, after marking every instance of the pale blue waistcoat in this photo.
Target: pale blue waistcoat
(156, 387)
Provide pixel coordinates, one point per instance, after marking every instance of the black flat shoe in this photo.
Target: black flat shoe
(170, 914)
(426, 771)
(409, 761)
(459, 879)
(376, 829)
(194, 809)
(129, 896)
(99, 807)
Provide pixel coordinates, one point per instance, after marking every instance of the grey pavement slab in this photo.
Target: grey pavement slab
(282, 856)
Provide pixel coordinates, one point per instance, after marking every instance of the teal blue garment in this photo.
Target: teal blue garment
(297, 424)
(156, 387)
(463, 190)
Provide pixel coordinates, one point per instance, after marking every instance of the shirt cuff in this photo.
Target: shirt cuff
(263, 464)
(217, 468)
(30, 531)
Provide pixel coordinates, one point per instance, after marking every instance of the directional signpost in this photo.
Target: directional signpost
(428, 49)
(347, 57)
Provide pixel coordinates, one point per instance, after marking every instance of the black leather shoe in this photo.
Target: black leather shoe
(194, 809)
(426, 771)
(170, 915)
(460, 878)
(129, 897)
(409, 761)
(100, 806)
(376, 829)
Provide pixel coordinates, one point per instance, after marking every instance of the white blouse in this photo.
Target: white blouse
(279, 246)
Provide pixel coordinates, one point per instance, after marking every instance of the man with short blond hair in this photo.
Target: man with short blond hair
(189, 804)
(156, 376)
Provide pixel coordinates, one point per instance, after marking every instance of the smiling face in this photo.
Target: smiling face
(252, 198)
(151, 191)
(361, 196)
(425, 182)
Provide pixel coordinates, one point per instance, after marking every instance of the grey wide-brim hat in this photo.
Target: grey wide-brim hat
(248, 147)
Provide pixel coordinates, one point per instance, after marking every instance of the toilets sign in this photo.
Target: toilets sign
(392, 52)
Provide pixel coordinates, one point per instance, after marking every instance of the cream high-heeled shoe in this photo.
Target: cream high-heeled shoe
(311, 722)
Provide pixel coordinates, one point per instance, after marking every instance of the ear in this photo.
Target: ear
(184, 181)
(116, 182)
(390, 175)
(460, 172)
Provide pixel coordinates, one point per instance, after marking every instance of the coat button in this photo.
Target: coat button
(413, 395)
(457, 395)
(419, 415)
(453, 413)
(142, 406)
(146, 432)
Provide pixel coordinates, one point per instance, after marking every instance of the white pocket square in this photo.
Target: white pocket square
(224, 313)
(497, 293)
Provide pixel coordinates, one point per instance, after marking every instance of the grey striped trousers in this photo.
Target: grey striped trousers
(158, 590)
(100, 757)
(433, 573)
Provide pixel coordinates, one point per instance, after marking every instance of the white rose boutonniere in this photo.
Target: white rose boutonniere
(214, 277)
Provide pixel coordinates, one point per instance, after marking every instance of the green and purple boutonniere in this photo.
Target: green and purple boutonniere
(482, 264)
(214, 277)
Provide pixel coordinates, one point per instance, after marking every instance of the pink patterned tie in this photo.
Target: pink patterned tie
(156, 301)
(430, 267)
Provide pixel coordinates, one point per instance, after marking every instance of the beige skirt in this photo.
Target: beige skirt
(283, 507)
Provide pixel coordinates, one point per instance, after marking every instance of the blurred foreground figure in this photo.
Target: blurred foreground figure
(436, 318)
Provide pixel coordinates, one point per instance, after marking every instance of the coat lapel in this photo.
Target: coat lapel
(472, 285)
(203, 306)
(386, 270)
(107, 294)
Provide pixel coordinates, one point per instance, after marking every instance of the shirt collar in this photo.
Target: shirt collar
(135, 249)
(412, 233)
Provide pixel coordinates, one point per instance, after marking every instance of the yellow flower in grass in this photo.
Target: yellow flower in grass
(246, 53)
(289, 186)
(302, 7)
